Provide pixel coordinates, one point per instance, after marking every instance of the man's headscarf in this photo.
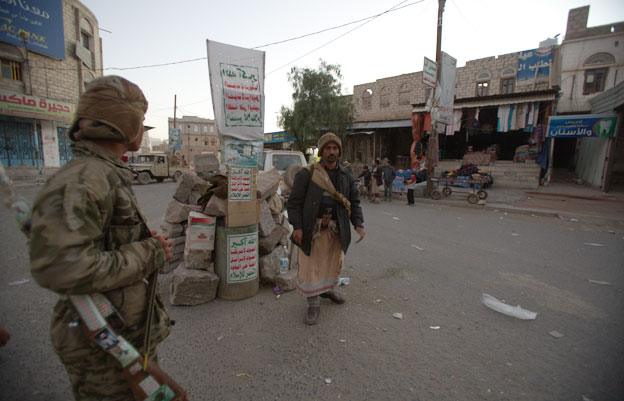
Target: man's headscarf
(327, 138)
(109, 102)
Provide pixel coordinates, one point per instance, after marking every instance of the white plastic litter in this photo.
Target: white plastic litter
(395, 218)
(599, 282)
(328, 380)
(417, 247)
(20, 282)
(434, 327)
(593, 244)
(501, 307)
(397, 315)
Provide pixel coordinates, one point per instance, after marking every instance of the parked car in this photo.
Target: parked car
(282, 159)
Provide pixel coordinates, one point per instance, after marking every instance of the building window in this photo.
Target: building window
(385, 97)
(11, 69)
(85, 40)
(595, 80)
(507, 85)
(483, 88)
(196, 139)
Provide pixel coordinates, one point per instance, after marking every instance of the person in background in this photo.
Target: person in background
(388, 174)
(366, 174)
(411, 185)
(377, 181)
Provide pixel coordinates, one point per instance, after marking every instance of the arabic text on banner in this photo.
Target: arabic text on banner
(241, 184)
(242, 263)
(237, 87)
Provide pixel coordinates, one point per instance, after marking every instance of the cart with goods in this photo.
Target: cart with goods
(473, 186)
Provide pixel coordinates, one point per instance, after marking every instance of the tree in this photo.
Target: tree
(318, 105)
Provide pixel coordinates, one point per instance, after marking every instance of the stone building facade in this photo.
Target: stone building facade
(197, 135)
(38, 94)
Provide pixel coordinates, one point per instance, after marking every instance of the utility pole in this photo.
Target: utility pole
(434, 129)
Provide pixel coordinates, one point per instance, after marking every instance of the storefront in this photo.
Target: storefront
(594, 138)
(506, 133)
(33, 131)
(372, 140)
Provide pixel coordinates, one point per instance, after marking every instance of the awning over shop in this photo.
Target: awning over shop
(367, 125)
(496, 100)
(609, 100)
(361, 133)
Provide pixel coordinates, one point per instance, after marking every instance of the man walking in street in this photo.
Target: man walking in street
(89, 237)
(388, 174)
(323, 204)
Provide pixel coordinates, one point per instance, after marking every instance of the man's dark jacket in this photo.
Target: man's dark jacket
(305, 200)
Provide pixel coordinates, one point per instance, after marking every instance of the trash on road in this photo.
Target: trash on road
(434, 327)
(417, 247)
(599, 282)
(328, 380)
(397, 316)
(378, 301)
(501, 307)
(555, 334)
(219, 338)
(515, 234)
(20, 282)
(342, 340)
(344, 281)
(243, 375)
(574, 220)
(395, 218)
(593, 244)
(277, 290)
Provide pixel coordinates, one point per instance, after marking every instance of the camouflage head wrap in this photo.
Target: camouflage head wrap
(115, 103)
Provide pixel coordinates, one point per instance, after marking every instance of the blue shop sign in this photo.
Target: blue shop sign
(582, 126)
(38, 24)
(278, 137)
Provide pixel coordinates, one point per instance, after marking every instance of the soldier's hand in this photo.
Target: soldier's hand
(165, 243)
(297, 236)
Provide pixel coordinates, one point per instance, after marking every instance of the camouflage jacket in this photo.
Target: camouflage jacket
(89, 236)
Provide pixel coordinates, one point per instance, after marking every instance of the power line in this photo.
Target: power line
(394, 8)
(365, 19)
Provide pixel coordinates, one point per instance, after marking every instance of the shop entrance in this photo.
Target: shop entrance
(17, 143)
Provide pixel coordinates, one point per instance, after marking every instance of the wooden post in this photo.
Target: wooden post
(434, 130)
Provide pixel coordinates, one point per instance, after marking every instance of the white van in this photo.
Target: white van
(282, 159)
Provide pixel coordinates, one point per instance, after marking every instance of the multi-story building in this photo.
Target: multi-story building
(47, 58)
(197, 135)
(592, 63)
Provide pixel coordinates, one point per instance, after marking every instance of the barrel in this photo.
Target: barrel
(236, 262)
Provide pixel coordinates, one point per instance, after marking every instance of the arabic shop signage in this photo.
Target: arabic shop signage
(582, 126)
(278, 137)
(534, 63)
(39, 22)
(430, 72)
(41, 108)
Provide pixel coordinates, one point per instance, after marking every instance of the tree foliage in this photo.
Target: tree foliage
(318, 105)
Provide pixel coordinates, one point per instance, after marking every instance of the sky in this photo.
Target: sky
(146, 32)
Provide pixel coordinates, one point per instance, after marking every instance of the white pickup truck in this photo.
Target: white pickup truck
(282, 159)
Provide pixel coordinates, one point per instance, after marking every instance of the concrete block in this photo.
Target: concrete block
(266, 224)
(267, 183)
(206, 164)
(190, 189)
(173, 230)
(177, 212)
(287, 281)
(193, 287)
(270, 265)
(267, 244)
(198, 260)
(216, 207)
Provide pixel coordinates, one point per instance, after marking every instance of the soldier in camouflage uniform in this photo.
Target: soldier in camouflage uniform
(88, 236)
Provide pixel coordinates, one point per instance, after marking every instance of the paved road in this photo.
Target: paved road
(429, 263)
